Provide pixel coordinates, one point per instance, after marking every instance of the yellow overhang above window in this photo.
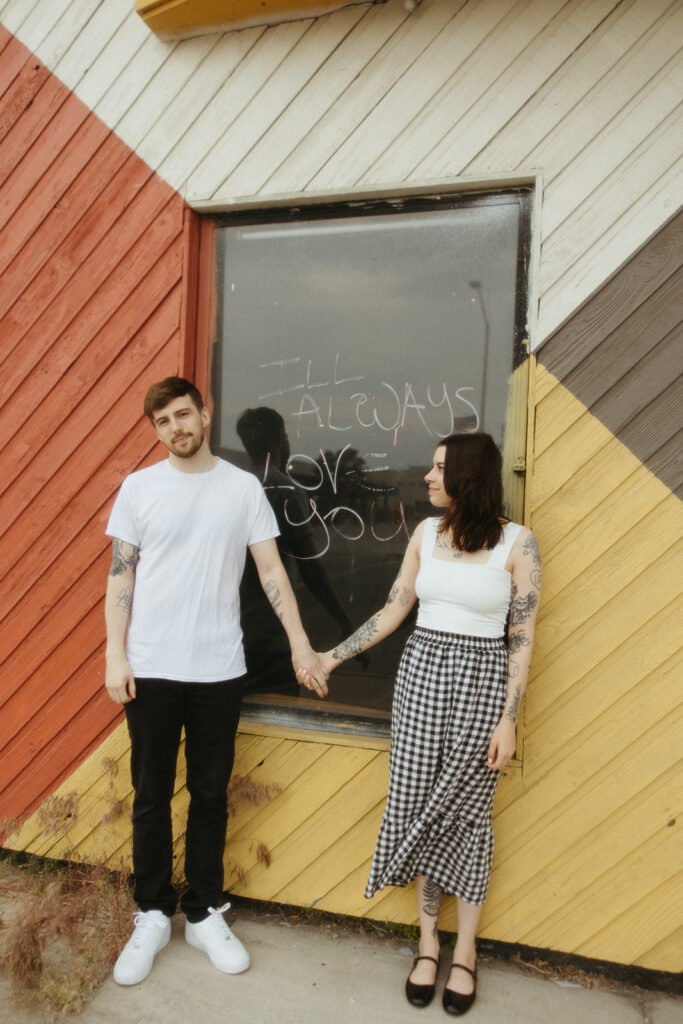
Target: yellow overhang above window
(178, 18)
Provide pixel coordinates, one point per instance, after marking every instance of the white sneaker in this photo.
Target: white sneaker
(151, 933)
(225, 950)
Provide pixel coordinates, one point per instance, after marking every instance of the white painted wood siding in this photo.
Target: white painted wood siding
(585, 93)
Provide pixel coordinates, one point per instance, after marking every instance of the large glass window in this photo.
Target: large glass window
(349, 339)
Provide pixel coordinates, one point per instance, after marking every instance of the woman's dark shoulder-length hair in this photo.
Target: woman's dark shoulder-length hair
(472, 478)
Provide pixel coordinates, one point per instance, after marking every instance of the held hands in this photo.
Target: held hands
(119, 680)
(307, 678)
(311, 670)
(502, 746)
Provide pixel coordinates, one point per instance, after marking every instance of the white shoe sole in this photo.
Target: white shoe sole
(136, 981)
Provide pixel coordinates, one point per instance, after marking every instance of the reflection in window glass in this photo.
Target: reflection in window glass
(347, 344)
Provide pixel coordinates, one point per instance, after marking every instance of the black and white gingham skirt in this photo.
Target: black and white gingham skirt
(449, 697)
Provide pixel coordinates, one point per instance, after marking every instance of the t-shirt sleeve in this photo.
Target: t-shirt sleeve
(122, 523)
(263, 524)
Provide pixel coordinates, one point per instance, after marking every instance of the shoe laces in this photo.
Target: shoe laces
(218, 924)
(144, 923)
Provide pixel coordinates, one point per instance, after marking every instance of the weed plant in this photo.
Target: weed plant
(62, 927)
(63, 923)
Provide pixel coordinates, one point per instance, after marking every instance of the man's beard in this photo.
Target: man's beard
(189, 450)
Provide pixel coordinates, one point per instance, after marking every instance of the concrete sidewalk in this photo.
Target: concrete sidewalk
(305, 973)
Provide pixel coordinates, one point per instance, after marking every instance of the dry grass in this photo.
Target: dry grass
(61, 929)
(243, 791)
(62, 924)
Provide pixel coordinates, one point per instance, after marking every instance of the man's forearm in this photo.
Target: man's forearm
(119, 596)
(278, 590)
(118, 602)
(117, 605)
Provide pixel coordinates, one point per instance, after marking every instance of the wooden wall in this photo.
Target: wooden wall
(97, 252)
(588, 834)
(92, 244)
(599, 818)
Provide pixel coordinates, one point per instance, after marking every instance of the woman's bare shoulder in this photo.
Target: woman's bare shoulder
(424, 524)
(415, 542)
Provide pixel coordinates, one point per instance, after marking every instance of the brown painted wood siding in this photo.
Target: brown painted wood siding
(92, 247)
(621, 357)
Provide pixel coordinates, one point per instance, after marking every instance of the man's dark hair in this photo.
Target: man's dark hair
(260, 430)
(159, 395)
(472, 479)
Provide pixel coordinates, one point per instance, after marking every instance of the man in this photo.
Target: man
(174, 659)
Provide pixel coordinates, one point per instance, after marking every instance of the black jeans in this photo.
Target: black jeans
(210, 714)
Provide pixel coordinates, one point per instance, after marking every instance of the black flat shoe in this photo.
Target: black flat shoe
(455, 1002)
(420, 995)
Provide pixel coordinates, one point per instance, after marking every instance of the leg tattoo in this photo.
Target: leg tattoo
(431, 897)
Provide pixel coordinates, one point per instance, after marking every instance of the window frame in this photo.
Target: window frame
(299, 713)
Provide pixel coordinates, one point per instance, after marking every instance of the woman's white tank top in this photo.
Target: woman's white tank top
(471, 598)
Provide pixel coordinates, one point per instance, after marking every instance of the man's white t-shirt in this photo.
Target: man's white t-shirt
(192, 531)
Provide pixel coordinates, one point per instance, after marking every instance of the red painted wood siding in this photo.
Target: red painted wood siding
(94, 252)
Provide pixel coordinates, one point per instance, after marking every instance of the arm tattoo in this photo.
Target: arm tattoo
(513, 710)
(273, 594)
(357, 641)
(124, 556)
(431, 896)
(125, 599)
(521, 607)
(513, 670)
(531, 548)
(402, 594)
(517, 641)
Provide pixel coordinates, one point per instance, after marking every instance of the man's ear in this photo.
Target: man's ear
(205, 416)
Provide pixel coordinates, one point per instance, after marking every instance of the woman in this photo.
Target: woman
(458, 691)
